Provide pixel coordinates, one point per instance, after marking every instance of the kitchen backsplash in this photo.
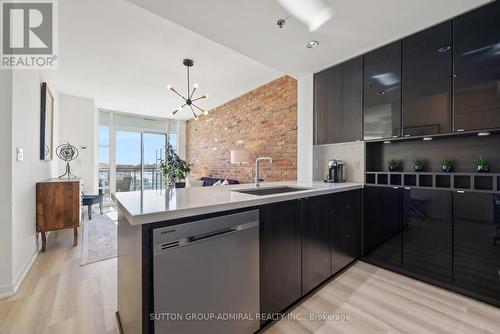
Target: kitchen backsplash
(353, 154)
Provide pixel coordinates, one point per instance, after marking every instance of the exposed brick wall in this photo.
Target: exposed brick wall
(263, 122)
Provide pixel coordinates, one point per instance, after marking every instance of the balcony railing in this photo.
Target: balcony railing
(129, 179)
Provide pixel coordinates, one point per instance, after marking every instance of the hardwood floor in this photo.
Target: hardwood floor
(379, 301)
(59, 296)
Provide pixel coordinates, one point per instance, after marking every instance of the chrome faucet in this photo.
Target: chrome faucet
(257, 164)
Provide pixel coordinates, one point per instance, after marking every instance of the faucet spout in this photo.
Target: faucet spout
(257, 165)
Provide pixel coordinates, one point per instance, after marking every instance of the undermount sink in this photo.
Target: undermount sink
(270, 190)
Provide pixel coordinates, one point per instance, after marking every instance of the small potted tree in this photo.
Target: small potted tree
(482, 165)
(419, 165)
(173, 168)
(393, 165)
(447, 165)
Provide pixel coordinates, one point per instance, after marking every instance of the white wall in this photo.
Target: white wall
(78, 119)
(24, 133)
(305, 128)
(6, 182)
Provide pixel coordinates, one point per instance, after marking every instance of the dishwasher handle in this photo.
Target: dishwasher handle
(209, 235)
(204, 236)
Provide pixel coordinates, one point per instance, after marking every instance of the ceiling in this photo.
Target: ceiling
(123, 57)
(356, 27)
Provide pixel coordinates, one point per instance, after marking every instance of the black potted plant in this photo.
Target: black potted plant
(393, 165)
(482, 165)
(173, 168)
(419, 165)
(447, 165)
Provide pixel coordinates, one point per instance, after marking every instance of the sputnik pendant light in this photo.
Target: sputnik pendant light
(189, 100)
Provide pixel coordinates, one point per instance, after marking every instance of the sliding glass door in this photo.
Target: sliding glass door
(154, 146)
(138, 156)
(128, 159)
(130, 151)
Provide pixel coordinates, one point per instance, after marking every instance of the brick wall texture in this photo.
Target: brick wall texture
(263, 122)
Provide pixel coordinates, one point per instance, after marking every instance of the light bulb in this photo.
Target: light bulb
(205, 112)
(169, 87)
(172, 114)
(179, 108)
(196, 118)
(206, 96)
(195, 86)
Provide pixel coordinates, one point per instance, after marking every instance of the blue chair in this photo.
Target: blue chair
(89, 200)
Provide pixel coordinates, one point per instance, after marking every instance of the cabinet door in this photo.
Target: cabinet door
(476, 267)
(427, 233)
(316, 240)
(427, 81)
(477, 81)
(382, 226)
(280, 256)
(338, 101)
(382, 92)
(346, 229)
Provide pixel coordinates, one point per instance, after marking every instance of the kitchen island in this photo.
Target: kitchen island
(293, 237)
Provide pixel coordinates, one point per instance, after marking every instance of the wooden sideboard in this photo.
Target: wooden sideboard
(57, 207)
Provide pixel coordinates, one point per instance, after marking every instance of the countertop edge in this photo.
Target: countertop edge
(191, 212)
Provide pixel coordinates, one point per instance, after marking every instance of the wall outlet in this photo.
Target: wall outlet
(357, 165)
(20, 154)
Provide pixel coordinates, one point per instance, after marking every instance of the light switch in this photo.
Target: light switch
(20, 154)
(357, 165)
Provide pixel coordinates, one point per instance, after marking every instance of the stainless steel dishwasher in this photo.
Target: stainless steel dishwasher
(206, 276)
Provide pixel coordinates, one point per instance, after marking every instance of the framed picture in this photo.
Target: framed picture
(46, 123)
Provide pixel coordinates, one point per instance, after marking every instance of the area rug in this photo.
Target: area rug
(99, 237)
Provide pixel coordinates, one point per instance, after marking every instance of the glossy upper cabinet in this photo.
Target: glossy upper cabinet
(427, 81)
(382, 92)
(476, 267)
(477, 69)
(382, 226)
(338, 100)
(427, 233)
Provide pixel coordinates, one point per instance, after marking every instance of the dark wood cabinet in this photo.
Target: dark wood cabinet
(382, 226)
(57, 207)
(427, 81)
(338, 99)
(382, 92)
(280, 255)
(316, 240)
(346, 232)
(476, 268)
(477, 69)
(427, 233)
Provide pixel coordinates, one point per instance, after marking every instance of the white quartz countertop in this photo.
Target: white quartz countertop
(159, 205)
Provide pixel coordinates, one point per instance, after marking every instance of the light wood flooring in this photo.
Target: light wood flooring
(59, 296)
(380, 301)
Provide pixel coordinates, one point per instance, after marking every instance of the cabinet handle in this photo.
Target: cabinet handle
(395, 187)
(444, 48)
(460, 130)
(407, 188)
(460, 191)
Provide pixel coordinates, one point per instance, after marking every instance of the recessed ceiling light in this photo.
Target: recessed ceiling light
(312, 44)
(483, 134)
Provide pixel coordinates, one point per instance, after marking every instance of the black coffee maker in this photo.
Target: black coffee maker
(335, 171)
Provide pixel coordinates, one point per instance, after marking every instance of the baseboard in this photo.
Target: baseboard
(8, 290)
